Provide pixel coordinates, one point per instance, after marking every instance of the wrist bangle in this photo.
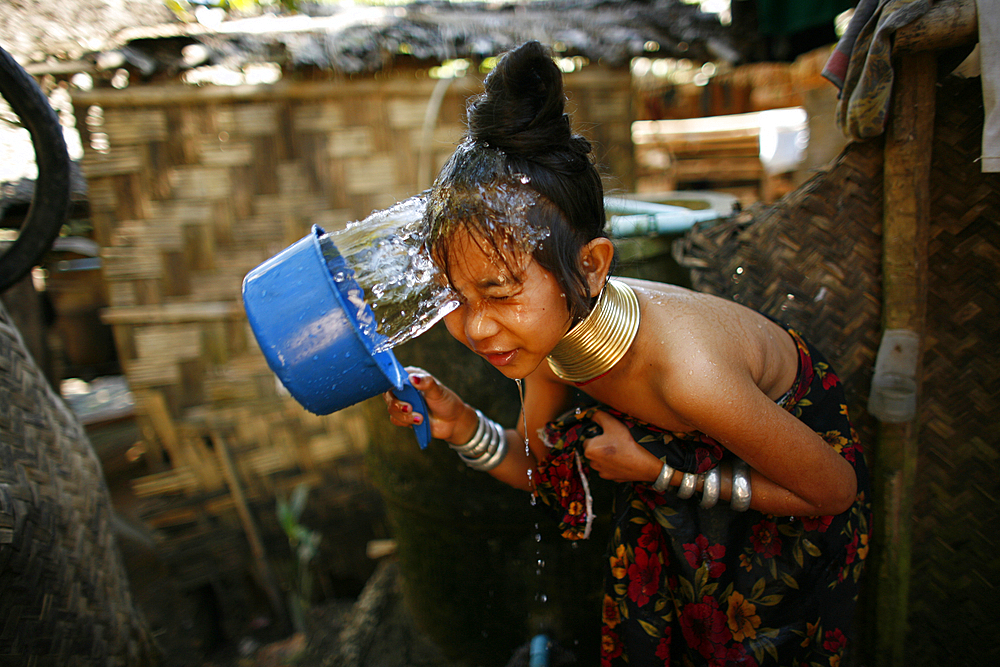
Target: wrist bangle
(477, 444)
(710, 491)
(741, 493)
(662, 482)
(688, 485)
(486, 448)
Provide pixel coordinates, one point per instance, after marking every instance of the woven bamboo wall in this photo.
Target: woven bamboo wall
(813, 259)
(190, 188)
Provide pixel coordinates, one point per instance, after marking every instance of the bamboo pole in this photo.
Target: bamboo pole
(268, 579)
(906, 217)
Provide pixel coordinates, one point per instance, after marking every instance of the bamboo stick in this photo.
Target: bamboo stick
(261, 564)
(906, 219)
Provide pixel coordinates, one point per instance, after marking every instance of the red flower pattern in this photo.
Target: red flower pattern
(702, 552)
(765, 539)
(643, 577)
(704, 627)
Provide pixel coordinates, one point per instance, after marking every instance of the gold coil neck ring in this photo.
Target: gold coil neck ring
(596, 344)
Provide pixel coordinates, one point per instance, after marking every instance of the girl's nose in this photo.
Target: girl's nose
(479, 325)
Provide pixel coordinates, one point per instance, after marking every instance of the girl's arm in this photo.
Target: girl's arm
(455, 422)
(616, 456)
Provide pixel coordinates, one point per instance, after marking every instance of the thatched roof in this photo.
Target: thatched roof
(350, 38)
(34, 31)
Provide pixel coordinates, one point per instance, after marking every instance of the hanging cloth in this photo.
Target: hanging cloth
(861, 64)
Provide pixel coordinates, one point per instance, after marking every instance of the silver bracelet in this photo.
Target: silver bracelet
(741, 493)
(688, 484)
(710, 491)
(496, 452)
(479, 442)
(662, 482)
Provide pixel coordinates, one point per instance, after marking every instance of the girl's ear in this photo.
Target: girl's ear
(596, 258)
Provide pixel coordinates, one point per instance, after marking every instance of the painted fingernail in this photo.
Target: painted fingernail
(406, 408)
(418, 418)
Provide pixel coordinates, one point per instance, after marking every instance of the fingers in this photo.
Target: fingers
(401, 413)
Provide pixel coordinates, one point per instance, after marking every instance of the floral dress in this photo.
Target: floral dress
(691, 586)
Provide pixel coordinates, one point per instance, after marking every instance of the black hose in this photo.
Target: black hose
(50, 202)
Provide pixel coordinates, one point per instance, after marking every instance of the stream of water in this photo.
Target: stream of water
(384, 255)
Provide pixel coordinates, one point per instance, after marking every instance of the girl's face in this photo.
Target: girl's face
(511, 313)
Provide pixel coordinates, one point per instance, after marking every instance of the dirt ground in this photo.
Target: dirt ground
(373, 630)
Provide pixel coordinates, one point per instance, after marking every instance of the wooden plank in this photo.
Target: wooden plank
(909, 139)
(173, 312)
(723, 169)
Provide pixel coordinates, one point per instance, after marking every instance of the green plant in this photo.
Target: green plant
(304, 544)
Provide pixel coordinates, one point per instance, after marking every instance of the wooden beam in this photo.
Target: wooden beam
(906, 216)
(946, 24)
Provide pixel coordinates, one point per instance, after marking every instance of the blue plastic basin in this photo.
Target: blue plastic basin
(304, 307)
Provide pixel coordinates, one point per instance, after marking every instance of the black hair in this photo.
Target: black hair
(519, 138)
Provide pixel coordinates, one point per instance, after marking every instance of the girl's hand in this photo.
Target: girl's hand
(449, 415)
(616, 456)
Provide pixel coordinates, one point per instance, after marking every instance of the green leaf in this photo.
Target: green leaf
(811, 548)
(797, 554)
(687, 590)
(770, 600)
(790, 581)
(650, 629)
(757, 590)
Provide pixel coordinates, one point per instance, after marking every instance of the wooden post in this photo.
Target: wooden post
(909, 138)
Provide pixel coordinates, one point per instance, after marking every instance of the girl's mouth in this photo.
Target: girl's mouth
(499, 359)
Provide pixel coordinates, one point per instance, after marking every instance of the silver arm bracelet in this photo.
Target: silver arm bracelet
(710, 491)
(496, 452)
(688, 485)
(662, 482)
(479, 442)
(490, 444)
(741, 494)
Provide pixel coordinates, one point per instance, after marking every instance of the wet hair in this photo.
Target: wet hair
(521, 161)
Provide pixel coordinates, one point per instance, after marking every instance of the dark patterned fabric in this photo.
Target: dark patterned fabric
(690, 586)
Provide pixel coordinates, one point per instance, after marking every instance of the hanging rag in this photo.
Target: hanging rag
(861, 64)
(989, 59)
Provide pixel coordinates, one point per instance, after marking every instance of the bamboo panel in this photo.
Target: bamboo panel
(320, 118)
(131, 263)
(175, 480)
(372, 175)
(350, 142)
(249, 119)
(214, 153)
(125, 160)
(128, 127)
(180, 211)
(148, 238)
(406, 113)
(170, 341)
(200, 182)
(152, 373)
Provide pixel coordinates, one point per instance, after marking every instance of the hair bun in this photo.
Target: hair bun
(522, 111)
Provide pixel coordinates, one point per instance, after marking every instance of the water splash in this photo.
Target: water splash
(397, 292)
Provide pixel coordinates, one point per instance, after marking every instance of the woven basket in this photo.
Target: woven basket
(64, 595)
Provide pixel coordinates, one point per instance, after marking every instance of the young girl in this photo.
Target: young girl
(741, 517)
